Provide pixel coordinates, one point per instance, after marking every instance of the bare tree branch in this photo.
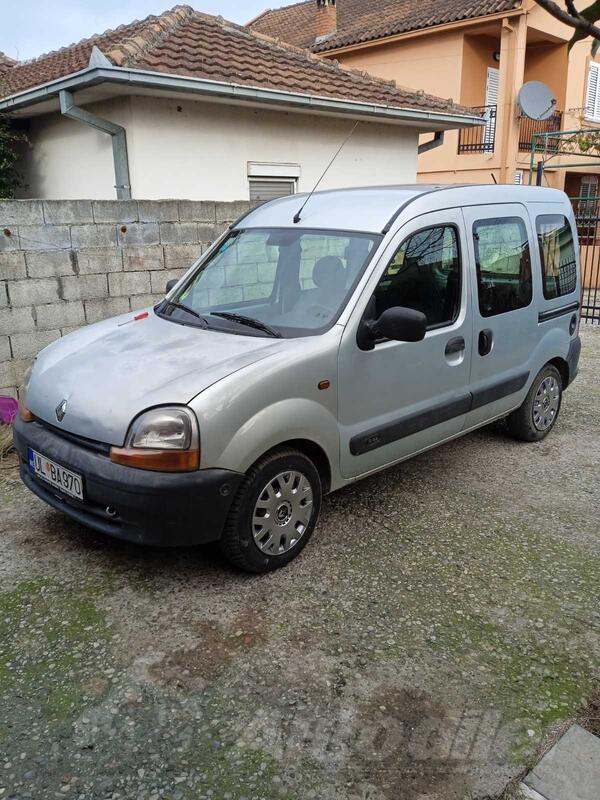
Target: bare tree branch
(584, 27)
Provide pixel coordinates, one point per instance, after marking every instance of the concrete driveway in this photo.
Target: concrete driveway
(443, 622)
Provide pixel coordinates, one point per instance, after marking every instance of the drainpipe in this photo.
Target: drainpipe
(437, 141)
(117, 134)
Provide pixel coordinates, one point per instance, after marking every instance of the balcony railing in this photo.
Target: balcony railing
(480, 139)
(527, 127)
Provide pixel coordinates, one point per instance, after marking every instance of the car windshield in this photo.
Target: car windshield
(273, 282)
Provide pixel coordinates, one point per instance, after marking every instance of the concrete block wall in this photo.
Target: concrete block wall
(68, 263)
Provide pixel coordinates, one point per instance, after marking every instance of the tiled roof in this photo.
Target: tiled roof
(75, 57)
(186, 42)
(295, 24)
(358, 21)
(6, 62)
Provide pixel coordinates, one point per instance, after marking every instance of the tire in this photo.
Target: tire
(534, 420)
(270, 493)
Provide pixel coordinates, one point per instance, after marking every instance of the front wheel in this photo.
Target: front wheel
(537, 416)
(274, 512)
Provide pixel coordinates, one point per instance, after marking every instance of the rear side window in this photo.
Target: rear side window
(557, 254)
(503, 265)
(424, 274)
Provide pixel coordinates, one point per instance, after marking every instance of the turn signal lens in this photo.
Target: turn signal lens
(156, 460)
(25, 414)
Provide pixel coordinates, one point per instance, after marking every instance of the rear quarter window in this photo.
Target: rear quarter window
(557, 255)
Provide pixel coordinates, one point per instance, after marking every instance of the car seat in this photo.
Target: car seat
(329, 276)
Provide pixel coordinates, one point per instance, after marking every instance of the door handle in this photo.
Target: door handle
(455, 346)
(486, 338)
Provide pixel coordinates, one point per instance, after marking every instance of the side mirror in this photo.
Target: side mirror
(170, 284)
(399, 324)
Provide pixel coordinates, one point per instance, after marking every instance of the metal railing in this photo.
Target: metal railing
(527, 127)
(587, 218)
(482, 138)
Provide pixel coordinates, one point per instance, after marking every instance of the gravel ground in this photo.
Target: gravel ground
(441, 625)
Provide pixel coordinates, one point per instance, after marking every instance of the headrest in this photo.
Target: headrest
(329, 273)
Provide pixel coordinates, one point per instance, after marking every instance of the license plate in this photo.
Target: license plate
(56, 475)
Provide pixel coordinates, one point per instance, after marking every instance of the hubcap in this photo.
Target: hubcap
(282, 513)
(546, 403)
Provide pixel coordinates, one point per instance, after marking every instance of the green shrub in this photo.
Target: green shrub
(10, 139)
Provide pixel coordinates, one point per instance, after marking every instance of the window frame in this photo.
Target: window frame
(538, 218)
(499, 221)
(439, 325)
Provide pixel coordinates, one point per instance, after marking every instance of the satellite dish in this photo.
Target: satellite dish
(536, 100)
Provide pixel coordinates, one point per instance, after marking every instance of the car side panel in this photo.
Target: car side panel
(248, 413)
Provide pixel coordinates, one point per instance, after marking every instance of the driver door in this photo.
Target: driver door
(403, 397)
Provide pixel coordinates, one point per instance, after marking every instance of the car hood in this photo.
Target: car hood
(110, 372)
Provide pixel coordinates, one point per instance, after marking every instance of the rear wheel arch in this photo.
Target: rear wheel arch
(563, 369)
(522, 422)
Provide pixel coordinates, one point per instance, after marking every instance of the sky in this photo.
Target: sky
(32, 27)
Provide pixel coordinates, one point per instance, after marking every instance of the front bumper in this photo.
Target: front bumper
(155, 508)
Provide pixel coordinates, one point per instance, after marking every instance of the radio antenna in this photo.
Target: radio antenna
(298, 216)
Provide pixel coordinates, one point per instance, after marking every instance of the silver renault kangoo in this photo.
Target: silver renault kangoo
(315, 343)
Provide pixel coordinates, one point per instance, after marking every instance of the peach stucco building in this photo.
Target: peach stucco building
(477, 52)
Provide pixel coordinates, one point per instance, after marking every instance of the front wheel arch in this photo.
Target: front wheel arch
(315, 453)
(238, 540)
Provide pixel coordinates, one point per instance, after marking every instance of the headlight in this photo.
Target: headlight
(162, 439)
(24, 412)
(162, 429)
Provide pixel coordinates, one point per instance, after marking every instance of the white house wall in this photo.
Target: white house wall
(68, 160)
(202, 151)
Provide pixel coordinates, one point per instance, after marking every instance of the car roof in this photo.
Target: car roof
(372, 209)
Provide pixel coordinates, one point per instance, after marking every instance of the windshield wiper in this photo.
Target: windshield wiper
(249, 321)
(189, 310)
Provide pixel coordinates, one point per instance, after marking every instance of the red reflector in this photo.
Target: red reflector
(140, 316)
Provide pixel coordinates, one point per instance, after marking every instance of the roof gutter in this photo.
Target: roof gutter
(427, 120)
(117, 134)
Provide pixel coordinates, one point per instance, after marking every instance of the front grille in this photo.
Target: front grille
(81, 441)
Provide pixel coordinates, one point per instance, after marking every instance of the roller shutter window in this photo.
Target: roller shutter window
(592, 100)
(491, 99)
(263, 189)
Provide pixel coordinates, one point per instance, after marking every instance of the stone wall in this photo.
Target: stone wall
(68, 263)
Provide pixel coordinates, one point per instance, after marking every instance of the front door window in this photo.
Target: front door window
(424, 274)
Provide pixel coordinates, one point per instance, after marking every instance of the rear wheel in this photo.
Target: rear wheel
(537, 416)
(274, 513)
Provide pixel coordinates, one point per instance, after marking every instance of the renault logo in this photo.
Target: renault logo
(61, 410)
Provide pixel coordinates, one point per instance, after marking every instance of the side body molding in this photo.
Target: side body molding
(436, 414)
